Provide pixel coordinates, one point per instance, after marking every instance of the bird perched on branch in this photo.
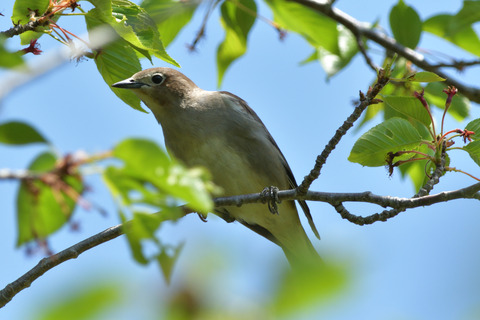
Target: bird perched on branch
(219, 131)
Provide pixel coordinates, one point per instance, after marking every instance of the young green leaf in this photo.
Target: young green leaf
(90, 300)
(405, 24)
(19, 133)
(473, 149)
(419, 171)
(9, 59)
(347, 46)
(311, 286)
(133, 24)
(166, 260)
(392, 135)
(237, 23)
(21, 15)
(316, 28)
(458, 28)
(115, 62)
(170, 16)
(41, 209)
(410, 107)
(149, 176)
(424, 76)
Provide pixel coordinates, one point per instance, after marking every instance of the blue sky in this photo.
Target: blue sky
(421, 264)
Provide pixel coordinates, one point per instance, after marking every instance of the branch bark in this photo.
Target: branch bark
(335, 199)
(365, 101)
(359, 28)
(20, 28)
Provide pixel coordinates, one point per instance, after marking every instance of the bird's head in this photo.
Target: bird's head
(161, 89)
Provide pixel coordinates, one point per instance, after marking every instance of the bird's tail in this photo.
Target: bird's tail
(302, 254)
(294, 241)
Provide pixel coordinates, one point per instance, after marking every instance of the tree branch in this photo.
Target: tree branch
(370, 99)
(335, 199)
(20, 28)
(388, 43)
(460, 65)
(387, 214)
(54, 260)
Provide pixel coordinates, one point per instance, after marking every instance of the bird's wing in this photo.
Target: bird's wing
(291, 178)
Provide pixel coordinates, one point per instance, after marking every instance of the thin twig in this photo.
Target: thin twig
(382, 80)
(201, 32)
(421, 194)
(335, 199)
(52, 261)
(21, 28)
(457, 64)
(363, 51)
(388, 43)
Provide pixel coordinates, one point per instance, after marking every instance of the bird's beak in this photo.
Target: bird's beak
(128, 84)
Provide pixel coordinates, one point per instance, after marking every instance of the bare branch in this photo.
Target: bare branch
(457, 64)
(201, 32)
(54, 260)
(335, 199)
(7, 174)
(21, 28)
(363, 51)
(370, 99)
(388, 43)
(387, 214)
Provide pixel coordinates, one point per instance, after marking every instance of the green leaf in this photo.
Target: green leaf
(334, 44)
(424, 76)
(132, 23)
(148, 175)
(369, 114)
(134, 242)
(166, 260)
(237, 23)
(458, 28)
(104, 8)
(115, 62)
(311, 58)
(347, 46)
(309, 287)
(41, 209)
(79, 303)
(392, 135)
(19, 133)
(473, 149)
(142, 228)
(460, 106)
(409, 107)
(317, 29)
(170, 16)
(405, 24)
(9, 59)
(475, 127)
(468, 15)
(417, 171)
(21, 15)
(21, 9)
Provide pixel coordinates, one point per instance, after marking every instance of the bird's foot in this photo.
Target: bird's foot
(270, 196)
(202, 216)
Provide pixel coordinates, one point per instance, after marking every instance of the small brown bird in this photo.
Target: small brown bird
(219, 131)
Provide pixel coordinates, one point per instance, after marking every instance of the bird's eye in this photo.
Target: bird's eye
(157, 79)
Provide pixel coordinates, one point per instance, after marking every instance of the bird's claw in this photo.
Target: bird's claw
(270, 196)
(202, 216)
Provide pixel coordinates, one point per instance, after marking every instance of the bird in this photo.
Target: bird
(219, 131)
